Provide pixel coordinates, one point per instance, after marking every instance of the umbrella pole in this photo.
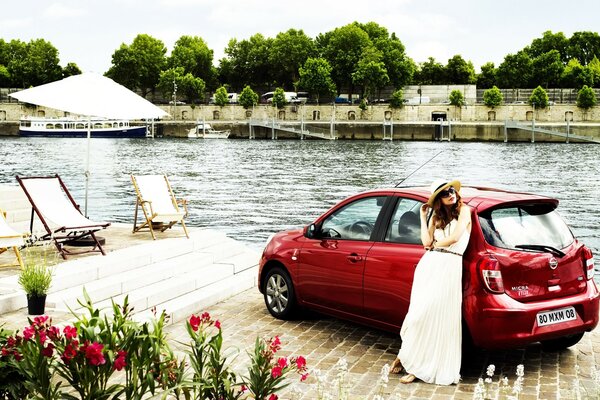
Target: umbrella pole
(87, 164)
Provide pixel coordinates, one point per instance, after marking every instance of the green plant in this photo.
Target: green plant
(586, 98)
(221, 98)
(363, 104)
(456, 98)
(492, 97)
(248, 97)
(397, 99)
(35, 277)
(539, 98)
(279, 100)
(12, 385)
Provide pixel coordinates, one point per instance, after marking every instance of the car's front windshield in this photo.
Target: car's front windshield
(525, 226)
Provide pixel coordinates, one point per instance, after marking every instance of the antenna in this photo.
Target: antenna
(421, 166)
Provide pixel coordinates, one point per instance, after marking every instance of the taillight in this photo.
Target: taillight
(491, 274)
(588, 263)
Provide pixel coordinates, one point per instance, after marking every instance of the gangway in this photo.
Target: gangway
(298, 128)
(533, 129)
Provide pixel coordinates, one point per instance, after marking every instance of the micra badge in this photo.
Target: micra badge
(553, 263)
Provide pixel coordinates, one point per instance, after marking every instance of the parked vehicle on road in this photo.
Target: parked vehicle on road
(526, 278)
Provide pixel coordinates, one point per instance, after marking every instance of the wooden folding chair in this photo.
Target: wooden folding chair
(59, 214)
(10, 239)
(159, 206)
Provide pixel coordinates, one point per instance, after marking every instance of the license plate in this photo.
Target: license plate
(556, 316)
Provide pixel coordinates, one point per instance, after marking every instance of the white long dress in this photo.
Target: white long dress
(432, 332)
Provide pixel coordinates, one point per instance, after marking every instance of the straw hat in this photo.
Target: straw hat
(439, 185)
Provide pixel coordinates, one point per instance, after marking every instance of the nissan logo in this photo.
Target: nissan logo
(553, 263)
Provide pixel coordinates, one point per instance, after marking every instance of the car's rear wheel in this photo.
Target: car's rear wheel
(561, 343)
(279, 294)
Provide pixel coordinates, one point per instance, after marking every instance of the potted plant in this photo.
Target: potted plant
(35, 278)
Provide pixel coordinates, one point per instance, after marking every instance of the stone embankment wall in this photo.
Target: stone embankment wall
(411, 122)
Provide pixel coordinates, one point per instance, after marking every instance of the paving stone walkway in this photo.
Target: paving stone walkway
(324, 341)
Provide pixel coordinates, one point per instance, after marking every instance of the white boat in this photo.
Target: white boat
(78, 127)
(205, 131)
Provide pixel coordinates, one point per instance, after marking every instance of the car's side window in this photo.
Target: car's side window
(405, 226)
(355, 221)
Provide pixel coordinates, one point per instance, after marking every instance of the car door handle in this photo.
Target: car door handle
(354, 258)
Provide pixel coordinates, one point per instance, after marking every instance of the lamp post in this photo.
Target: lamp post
(533, 123)
(174, 99)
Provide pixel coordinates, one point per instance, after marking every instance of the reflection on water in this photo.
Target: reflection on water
(250, 189)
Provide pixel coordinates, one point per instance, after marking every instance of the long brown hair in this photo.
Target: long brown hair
(443, 215)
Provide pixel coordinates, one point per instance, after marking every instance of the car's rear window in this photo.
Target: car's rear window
(525, 224)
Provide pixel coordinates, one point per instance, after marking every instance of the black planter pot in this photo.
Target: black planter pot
(36, 304)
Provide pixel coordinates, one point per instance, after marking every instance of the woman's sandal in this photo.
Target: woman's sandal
(396, 367)
(407, 378)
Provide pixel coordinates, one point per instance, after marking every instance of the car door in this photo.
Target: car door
(391, 263)
(331, 265)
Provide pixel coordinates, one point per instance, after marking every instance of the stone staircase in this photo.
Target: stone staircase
(179, 275)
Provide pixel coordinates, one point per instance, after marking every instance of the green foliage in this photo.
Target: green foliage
(363, 104)
(315, 76)
(548, 42)
(248, 97)
(492, 97)
(221, 98)
(539, 98)
(515, 71)
(456, 98)
(370, 73)
(36, 276)
(289, 51)
(193, 55)
(487, 78)
(12, 385)
(576, 75)
(139, 65)
(586, 98)
(397, 99)
(4, 76)
(192, 88)
(594, 67)
(459, 71)
(430, 72)
(547, 68)
(169, 81)
(246, 62)
(584, 46)
(279, 100)
(70, 69)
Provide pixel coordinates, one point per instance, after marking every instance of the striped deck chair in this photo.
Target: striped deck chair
(10, 239)
(160, 208)
(59, 214)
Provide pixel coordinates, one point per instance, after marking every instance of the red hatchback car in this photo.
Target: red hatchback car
(526, 278)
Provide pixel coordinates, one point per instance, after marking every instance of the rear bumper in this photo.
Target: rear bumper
(499, 321)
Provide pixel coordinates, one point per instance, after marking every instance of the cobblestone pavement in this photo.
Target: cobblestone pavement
(324, 340)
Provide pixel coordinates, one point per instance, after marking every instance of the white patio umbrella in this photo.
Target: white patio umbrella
(91, 95)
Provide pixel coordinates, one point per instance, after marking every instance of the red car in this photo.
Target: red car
(526, 278)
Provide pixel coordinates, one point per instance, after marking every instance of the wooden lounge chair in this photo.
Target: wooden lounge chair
(60, 215)
(159, 206)
(10, 239)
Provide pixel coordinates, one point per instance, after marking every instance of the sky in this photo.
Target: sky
(88, 32)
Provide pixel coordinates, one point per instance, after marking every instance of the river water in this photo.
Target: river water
(252, 188)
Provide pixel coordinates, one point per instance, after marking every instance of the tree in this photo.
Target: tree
(221, 97)
(33, 64)
(430, 72)
(192, 88)
(343, 48)
(459, 71)
(370, 73)
(492, 97)
(4, 76)
(487, 78)
(586, 98)
(289, 51)
(576, 75)
(515, 71)
(279, 100)
(397, 99)
(548, 42)
(547, 69)
(247, 63)
(70, 69)
(594, 67)
(315, 76)
(248, 97)
(539, 98)
(584, 46)
(170, 80)
(192, 53)
(456, 98)
(139, 65)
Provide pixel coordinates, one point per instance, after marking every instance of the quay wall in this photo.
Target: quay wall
(412, 122)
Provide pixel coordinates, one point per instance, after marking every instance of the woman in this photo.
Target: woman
(431, 332)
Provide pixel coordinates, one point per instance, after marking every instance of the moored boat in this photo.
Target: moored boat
(202, 130)
(78, 127)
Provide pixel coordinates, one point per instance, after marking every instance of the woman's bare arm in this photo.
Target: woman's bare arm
(464, 223)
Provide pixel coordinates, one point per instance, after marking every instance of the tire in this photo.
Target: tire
(562, 343)
(279, 294)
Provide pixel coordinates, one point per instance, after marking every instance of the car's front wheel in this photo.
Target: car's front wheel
(279, 294)
(561, 343)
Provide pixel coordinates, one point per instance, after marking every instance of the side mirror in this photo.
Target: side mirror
(310, 231)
